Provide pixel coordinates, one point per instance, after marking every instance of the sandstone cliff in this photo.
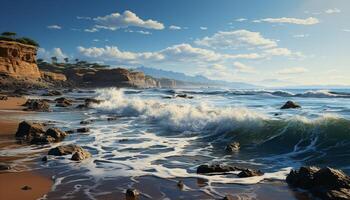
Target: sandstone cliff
(18, 61)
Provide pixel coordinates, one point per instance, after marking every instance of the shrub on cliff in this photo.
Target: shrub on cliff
(11, 36)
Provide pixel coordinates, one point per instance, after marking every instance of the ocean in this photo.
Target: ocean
(157, 140)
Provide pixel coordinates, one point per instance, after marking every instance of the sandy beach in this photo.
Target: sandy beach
(12, 183)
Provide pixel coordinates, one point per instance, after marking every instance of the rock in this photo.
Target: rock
(249, 173)
(70, 131)
(90, 101)
(26, 187)
(28, 130)
(233, 147)
(3, 98)
(65, 150)
(290, 104)
(184, 96)
(112, 118)
(83, 130)
(53, 93)
(43, 139)
(4, 167)
(37, 105)
(132, 194)
(87, 121)
(215, 168)
(180, 184)
(228, 197)
(56, 133)
(326, 183)
(81, 106)
(44, 159)
(63, 102)
(80, 155)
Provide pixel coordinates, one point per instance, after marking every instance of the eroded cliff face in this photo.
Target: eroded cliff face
(117, 77)
(18, 61)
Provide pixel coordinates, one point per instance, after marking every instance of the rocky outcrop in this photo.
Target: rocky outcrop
(290, 104)
(54, 78)
(215, 168)
(117, 77)
(325, 183)
(18, 61)
(38, 105)
(77, 152)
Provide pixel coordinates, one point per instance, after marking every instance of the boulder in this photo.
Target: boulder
(249, 173)
(56, 133)
(326, 183)
(28, 130)
(132, 194)
(80, 155)
(65, 150)
(37, 105)
(290, 104)
(233, 147)
(42, 139)
(215, 168)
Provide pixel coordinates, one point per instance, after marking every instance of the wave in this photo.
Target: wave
(296, 135)
(279, 93)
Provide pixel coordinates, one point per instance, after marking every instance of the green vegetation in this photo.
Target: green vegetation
(11, 36)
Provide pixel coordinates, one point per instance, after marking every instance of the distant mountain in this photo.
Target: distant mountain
(197, 80)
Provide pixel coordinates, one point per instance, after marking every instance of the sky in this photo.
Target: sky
(269, 43)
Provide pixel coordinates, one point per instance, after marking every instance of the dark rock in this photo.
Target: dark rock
(56, 133)
(233, 147)
(29, 130)
(37, 105)
(87, 121)
(325, 183)
(81, 106)
(21, 92)
(290, 104)
(3, 98)
(26, 187)
(70, 131)
(83, 130)
(44, 159)
(184, 96)
(228, 197)
(80, 155)
(53, 93)
(64, 150)
(249, 173)
(180, 184)
(63, 102)
(112, 118)
(132, 194)
(42, 139)
(215, 168)
(4, 167)
(89, 101)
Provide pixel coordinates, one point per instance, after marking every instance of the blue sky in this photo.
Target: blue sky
(270, 42)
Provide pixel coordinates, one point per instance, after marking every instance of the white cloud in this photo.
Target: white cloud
(240, 67)
(57, 27)
(203, 28)
(116, 21)
(91, 30)
(295, 70)
(307, 21)
(55, 52)
(236, 39)
(332, 11)
(141, 32)
(83, 18)
(241, 19)
(173, 27)
(301, 35)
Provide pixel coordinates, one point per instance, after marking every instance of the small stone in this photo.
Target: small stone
(4, 167)
(180, 184)
(233, 147)
(132, 194)
(26, 187)
(250, 173)
(83, 130)
(44, 159)
(80, 155)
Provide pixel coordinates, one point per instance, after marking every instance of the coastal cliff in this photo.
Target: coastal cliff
(18, 61)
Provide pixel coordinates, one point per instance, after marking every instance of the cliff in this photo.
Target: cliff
(18, 61)
(105, 77)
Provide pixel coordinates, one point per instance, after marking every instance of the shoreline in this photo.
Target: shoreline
(12, 182)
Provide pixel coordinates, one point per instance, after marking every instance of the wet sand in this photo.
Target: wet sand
(11, 183)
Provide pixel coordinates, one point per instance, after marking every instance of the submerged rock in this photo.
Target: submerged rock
(326, 183)
(63, 102)
(53, 93)
(4, 167)
(180, 184)
(215, 168)
(228, 197)
(70, 149)
(233, 147)
(185, 96)
(290, 104)
(249, 173)
(43, 139)
(132, 194)
(87, 121)
(38, 105)
(83, 130)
